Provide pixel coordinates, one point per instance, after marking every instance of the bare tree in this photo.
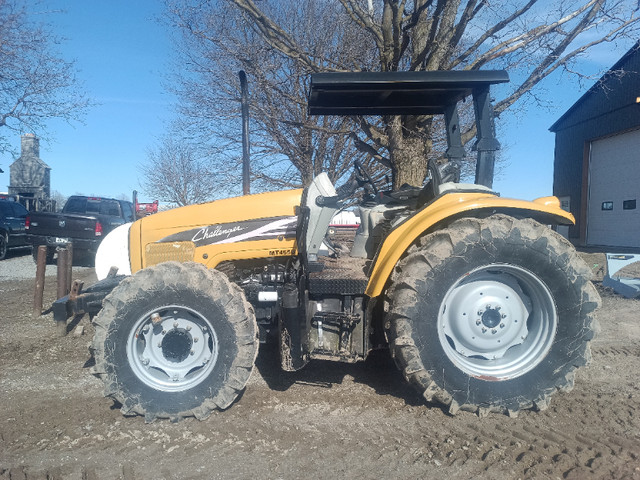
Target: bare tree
(288, 147)
(175, 173)
(59, 198)
(36, 83)
(530, 39)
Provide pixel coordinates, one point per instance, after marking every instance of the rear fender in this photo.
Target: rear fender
(447, 208)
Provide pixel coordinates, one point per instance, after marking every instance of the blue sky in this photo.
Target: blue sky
(121, 52)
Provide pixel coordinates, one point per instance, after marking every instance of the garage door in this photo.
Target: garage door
(613, 210)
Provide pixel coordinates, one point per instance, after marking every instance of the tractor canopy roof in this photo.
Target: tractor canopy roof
(396, 93)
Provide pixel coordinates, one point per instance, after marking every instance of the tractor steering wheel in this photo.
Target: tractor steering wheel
(363, 177)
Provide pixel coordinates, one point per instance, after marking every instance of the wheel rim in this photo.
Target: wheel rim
(497, 322)
(172, 348)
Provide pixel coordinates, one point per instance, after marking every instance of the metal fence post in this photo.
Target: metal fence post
(61, 273)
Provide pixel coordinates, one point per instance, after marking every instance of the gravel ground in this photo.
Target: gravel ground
(19, 265)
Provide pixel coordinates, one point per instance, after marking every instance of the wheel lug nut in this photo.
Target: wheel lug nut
(480, 312)
(159, 344)
(494, 331)
(188, 328)
(502, 325)
(175, 324)
(192, 352)
(484, 330)
(504, 315)
(478, 322)
(498, 307)
(195, 340)
(145, 361)
(156, 319)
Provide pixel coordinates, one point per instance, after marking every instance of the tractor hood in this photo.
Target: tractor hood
(253, 226)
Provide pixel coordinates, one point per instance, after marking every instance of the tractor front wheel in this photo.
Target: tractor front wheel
(175, 340)
(491, 314)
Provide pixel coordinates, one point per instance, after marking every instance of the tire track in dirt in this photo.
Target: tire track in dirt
(541, 451)
(633, 351)
(71, 471)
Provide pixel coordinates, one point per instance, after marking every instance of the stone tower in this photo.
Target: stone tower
(29, 176)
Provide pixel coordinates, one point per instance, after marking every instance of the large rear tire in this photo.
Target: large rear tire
(175, 340)
(491, 315)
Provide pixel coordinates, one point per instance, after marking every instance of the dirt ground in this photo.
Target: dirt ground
(327, 421)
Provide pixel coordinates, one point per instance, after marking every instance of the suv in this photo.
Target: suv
(12, 217)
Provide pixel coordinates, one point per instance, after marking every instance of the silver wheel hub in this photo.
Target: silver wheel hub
(497, 322)
(486, 317)
(172, 349)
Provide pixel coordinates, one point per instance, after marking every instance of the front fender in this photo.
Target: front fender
(447, 208)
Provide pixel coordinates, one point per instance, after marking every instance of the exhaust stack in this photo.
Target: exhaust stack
(244, 101)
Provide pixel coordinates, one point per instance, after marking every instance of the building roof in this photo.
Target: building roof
(29, 158)
(596, 86)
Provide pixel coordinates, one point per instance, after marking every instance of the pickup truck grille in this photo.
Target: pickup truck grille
(166, 252)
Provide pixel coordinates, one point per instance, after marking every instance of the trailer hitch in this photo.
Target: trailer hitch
(79, 301)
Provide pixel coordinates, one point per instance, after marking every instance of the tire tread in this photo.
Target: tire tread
(433, 249)
(173, 275)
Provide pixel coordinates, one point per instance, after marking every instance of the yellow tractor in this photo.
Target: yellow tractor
(483, 307)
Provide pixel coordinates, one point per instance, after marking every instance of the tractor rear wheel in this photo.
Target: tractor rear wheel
(491, 314)
(175, 340)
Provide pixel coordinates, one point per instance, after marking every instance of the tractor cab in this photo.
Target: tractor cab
(400, 93)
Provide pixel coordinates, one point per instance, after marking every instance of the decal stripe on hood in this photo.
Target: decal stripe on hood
(260, 229)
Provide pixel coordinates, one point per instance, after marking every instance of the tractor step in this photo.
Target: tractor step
(342, 275)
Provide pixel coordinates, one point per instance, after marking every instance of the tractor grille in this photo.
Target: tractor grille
(171, 251)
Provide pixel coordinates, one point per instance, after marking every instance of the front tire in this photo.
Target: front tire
(175, 340)
(491, 314)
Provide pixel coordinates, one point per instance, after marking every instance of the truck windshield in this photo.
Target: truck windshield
(94, 206)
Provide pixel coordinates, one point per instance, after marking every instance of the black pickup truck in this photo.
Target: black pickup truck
(83, 222)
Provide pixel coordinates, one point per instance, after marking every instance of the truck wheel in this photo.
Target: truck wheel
(491, 315)
(50, 253)
(175, 340)
(3, 245)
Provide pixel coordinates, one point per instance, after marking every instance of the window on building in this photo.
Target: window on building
(629, 204)
(607, 205)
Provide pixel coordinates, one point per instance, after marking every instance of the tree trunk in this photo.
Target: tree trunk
(409, 154)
